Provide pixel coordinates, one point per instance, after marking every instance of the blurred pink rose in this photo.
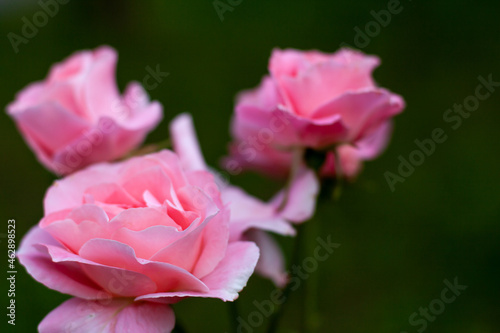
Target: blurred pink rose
(76, 117)
(351, 157)
(277, 163)
(309, 100)
(131, 237)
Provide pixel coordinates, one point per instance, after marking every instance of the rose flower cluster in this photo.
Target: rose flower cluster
(130, 235)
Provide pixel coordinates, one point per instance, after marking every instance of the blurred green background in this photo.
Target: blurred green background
(396, 247)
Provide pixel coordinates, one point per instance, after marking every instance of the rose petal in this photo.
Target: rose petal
(50, 126)
(202, 247)
(248, 212)
(109, 316)
(116, 265)
(65, 277)
(301, 199)
(142, 218)
(148, 241)
(69, 192)
(228, 278)
(282, 129)
(185, 143)
(373, 145)
(111, 193)
(118, 281)
(309, 84)
(271, 262)
(99, 89)
(362, 112)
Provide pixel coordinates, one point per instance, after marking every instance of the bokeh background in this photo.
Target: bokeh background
(396, 247)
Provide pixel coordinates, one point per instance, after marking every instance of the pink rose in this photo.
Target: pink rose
(277, 163)
(76, 117)
(309, 100)
(129, 238)
(351, 157)
(250, 217)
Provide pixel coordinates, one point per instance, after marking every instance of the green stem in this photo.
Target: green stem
(297, 157)
(233, 315)
(310, 314)
(296, 256)
(339, 177)
(307, 233)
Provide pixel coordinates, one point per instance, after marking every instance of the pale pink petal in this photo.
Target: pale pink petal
(152, 179)
(264, 97)
(139, 112)
(249, 212)
(141, 218)
(271, 262)
(227, 279)
(194, 199)
(111, 193)
(38, 93)
(117, 281)
(321, 82)
(99, 89)
(206, 182)
(350, 161)
(147, 317)
(69, 192)
(78, 226)
(50, 126)
(183, 218)
(301, 198)
(352, 156)
(282, 129)
(166, 160)
(74, 68)
(244, 206)
(123, 270)
(186, 143)
(202, 247)
(74, 235)
(372, 146)
(108, 316)
(362, 112)
(276, 225)
(66, 277)
(148, 241)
